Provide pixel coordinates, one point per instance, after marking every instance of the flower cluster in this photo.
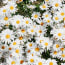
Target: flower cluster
(32, 32)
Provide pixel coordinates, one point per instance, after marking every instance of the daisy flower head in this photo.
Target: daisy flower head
(21, 61)
(55, 54)
(30, 45)
(47, 43)
(51, 62)
(15, 43)
(46, 15)
(7, 35)
(57, 33)
(16, 21)
(22, 30)
(56, 4)
(12, 7)
(48, 21)
(27, 21)
(11, 61)
(40, 61)
(35, 15)
(44, 6)
(62, 55)
(56, 47)
(32, 30)
(3, 47)
(5, 20)
(37, 50)
(40, 30)
(31, 59)
(62, 12)
(57, 18)
(17, 52)
(4, 10)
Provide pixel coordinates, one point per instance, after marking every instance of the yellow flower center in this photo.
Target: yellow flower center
(30, 45)
(55, 52)
(4, 10)
(13, 62)
(51, 63)
(20, 38)
(22, 30)
(17, 51)
(14, 43)
(40, 31)
(11, 7)
(32, 60)
(28, 51)
(40, 63)
(35, 16)
(10, 48)
(56, 18)
(59, 34)
(57, 45)
(63, 55)
(32, 54)
(46, 15)
(46, 44)
(41, 23)
(62, 14)
(56, 5)
(21, 61)
(37, 49)
(62, 49)
(48, 21)
(18, 22)
(7, 36)
(20, 0)
(3, 47)
(64, 18)
(43, 6)
(32, 30)
(5, 18)
(27, 22)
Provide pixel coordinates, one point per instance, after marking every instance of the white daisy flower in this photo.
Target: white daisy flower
(47, 43)
(16, 21)
(56, 47)
(17, 52)
(35, 15)
(27, 21)
(55, 54)
(22, 31)
(11, 61)
(56, 4)
(62, 55)
(51, 62)
(40, 61)
(15, 43)
(12, 7)
(7, 35)
(46, 15)
(44, 6)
